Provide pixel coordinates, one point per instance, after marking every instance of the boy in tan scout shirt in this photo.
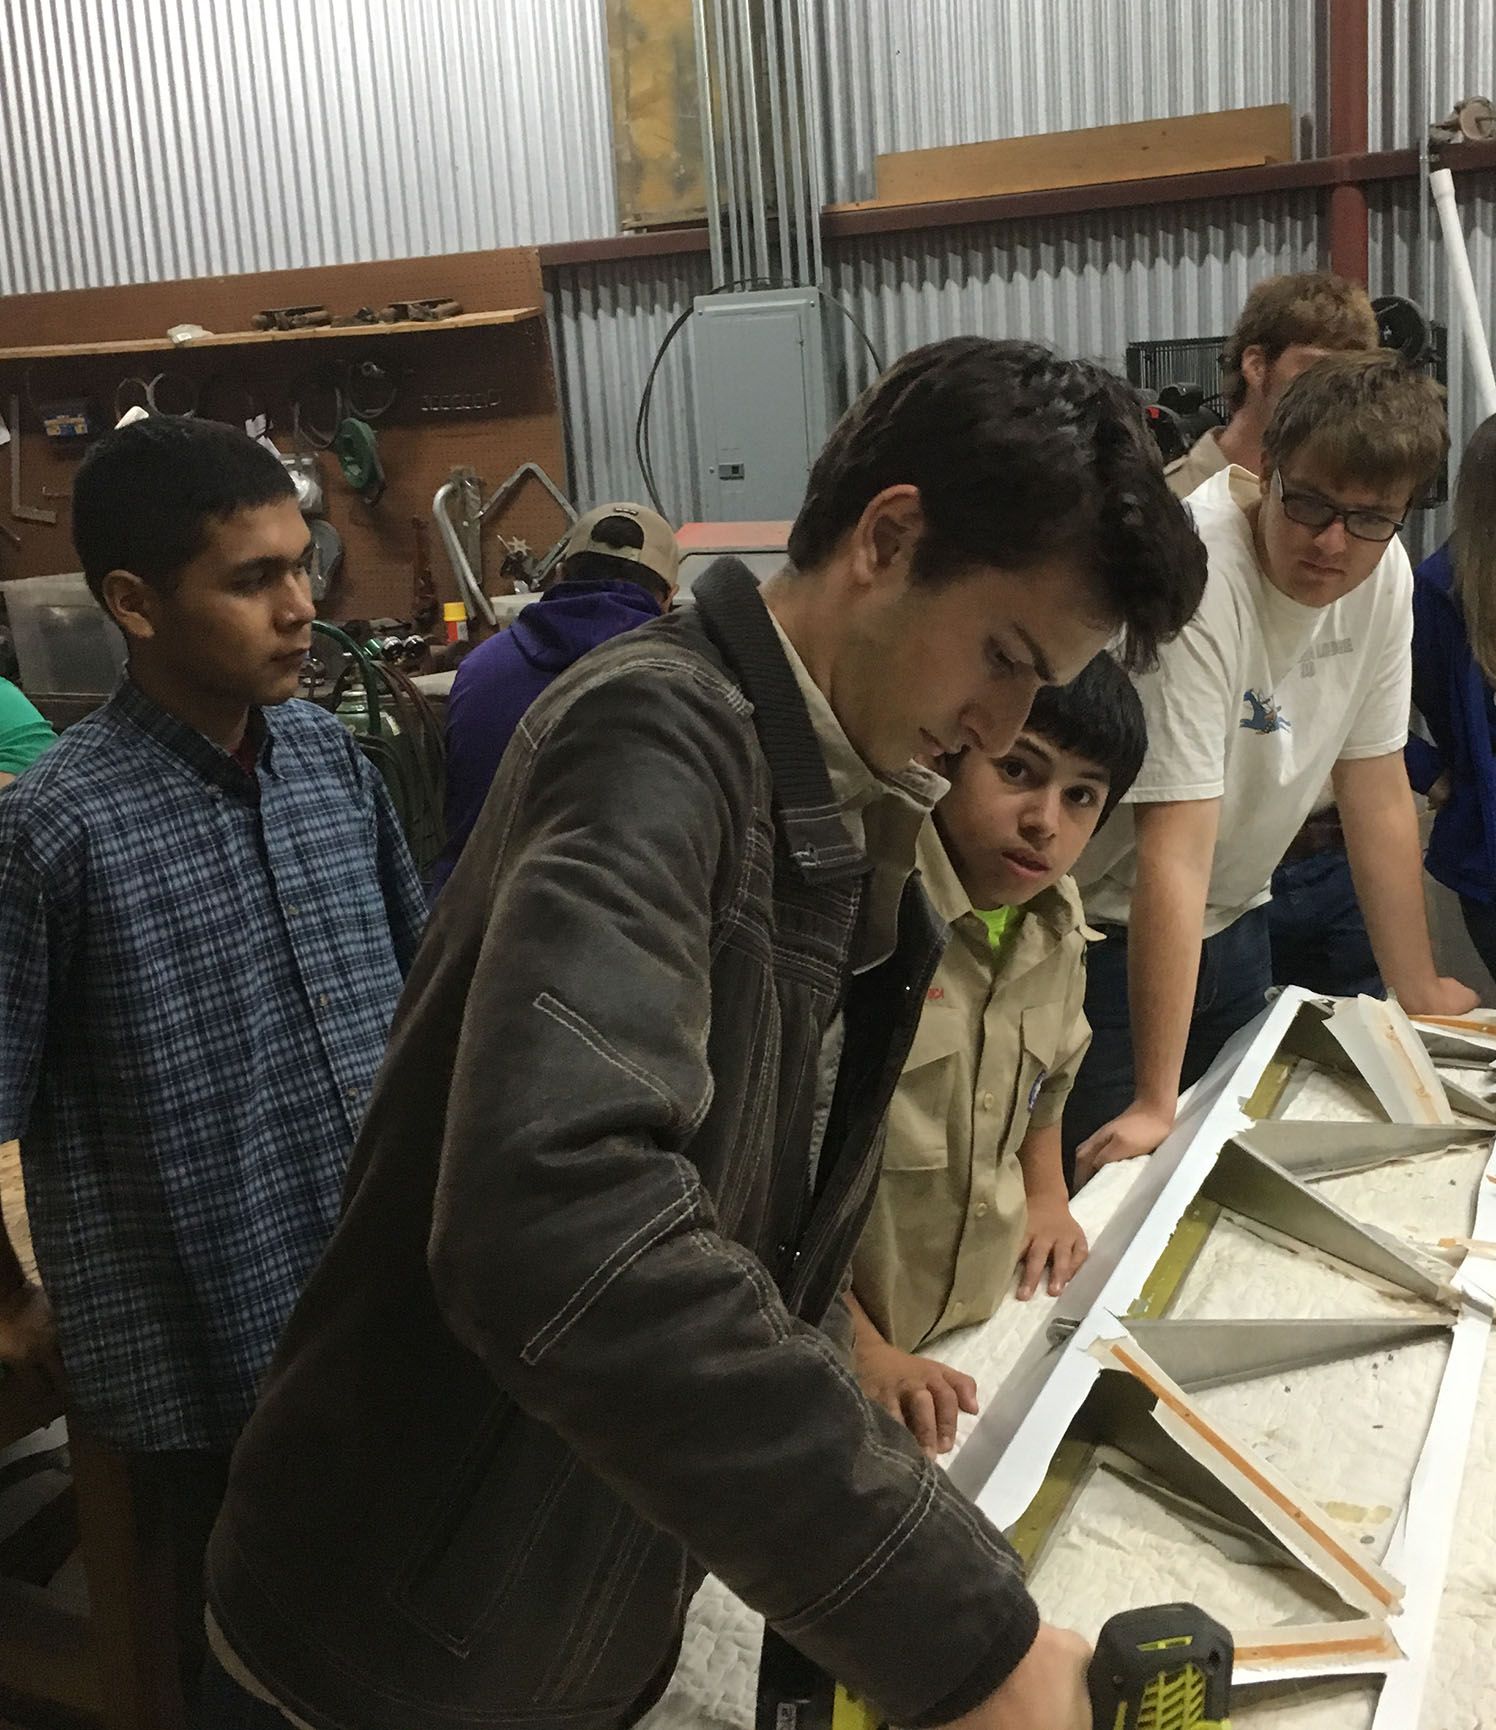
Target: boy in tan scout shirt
(972, 1185)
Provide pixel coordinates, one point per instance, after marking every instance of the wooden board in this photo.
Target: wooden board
(249, 338)
(653, 89)
(13, 1205)
(1140, 150)
(475, 358)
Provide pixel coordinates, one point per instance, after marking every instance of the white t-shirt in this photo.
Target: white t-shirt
(1254, 703)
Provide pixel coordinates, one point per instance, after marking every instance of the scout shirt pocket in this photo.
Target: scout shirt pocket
(1041, 1027)
(920, 1113)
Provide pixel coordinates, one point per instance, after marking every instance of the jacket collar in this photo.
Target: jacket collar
(734, 616)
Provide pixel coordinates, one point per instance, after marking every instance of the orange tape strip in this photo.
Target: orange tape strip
(1352, 1564)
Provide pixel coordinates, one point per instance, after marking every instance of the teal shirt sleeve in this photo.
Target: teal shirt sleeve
(24, 735)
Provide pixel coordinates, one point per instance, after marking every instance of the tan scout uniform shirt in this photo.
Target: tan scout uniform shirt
(883, 814)
(996, 1054)
(1202, 460)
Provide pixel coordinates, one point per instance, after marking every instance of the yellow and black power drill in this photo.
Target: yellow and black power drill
(1167, 1667)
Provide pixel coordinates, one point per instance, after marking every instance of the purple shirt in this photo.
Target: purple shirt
(500, 679)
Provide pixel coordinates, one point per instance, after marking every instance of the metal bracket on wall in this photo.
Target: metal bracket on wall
(462, 541)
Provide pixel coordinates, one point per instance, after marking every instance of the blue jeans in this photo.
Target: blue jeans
(226, 1706)
(1318, 935)
(1235, 976)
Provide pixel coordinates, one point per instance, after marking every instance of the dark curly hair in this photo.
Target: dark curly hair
(1019, 457)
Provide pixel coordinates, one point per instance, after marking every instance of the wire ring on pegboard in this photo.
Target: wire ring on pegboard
(177, 381)
(370, 405)
(140, 392)
(302, 420)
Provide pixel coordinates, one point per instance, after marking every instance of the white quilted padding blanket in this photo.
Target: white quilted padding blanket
(1348, 1432)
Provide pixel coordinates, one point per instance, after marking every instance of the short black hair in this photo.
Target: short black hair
(1019, 456)
(145, 494)
(1098, 716)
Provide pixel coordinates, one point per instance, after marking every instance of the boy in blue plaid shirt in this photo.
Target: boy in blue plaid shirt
(206, 913)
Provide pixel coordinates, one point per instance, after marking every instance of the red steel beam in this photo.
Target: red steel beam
(1348, 51)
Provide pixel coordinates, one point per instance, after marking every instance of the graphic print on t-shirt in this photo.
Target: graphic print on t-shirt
(1265, 715)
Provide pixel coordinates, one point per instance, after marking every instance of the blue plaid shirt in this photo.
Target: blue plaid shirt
(198, 966)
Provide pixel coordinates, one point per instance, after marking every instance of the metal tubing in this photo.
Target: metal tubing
(706, 105)
(736, 177)
(796, 87)
(774, 69)
(815, 138)
(477, 603)
(753, 137)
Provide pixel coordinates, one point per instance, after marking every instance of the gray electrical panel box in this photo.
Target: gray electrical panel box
(764, 400)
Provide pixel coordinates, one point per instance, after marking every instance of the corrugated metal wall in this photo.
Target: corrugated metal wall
(904, 74)
(1426, 55)
(607, 322)
(1087, 285)
(144, 139)
(1397, 266)
(908, 74)
(154, 138)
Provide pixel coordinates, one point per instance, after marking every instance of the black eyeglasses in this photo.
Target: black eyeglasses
(1313, 512)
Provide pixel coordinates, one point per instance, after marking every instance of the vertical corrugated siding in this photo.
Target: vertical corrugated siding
(1396, 255)
(1085, 285)
(911, 74)
(1426, 55)
(146, 139)
(608, 321)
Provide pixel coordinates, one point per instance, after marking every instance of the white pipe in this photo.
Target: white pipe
(1441, 184)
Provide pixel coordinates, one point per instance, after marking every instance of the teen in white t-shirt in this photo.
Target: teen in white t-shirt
(1296, 666)
(1268, 695)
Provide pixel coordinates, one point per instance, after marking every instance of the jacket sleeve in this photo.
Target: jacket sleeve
(576, 1252)
(1436, 687)
(1425, 765)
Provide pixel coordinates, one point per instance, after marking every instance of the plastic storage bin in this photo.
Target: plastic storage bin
(67, 645)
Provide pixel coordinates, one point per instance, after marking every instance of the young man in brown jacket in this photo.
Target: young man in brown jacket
(567, 1350)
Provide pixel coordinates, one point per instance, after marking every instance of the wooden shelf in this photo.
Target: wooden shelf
(247, 338)
(851, 221)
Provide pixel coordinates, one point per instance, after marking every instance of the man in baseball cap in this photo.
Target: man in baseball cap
(617, 571)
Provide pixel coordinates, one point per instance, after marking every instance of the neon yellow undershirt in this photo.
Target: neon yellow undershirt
(1000, 922)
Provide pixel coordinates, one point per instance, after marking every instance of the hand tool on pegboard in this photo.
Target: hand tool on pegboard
(291, 318)
(419, 311)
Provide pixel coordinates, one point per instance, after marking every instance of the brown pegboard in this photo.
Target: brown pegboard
(418, 449)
